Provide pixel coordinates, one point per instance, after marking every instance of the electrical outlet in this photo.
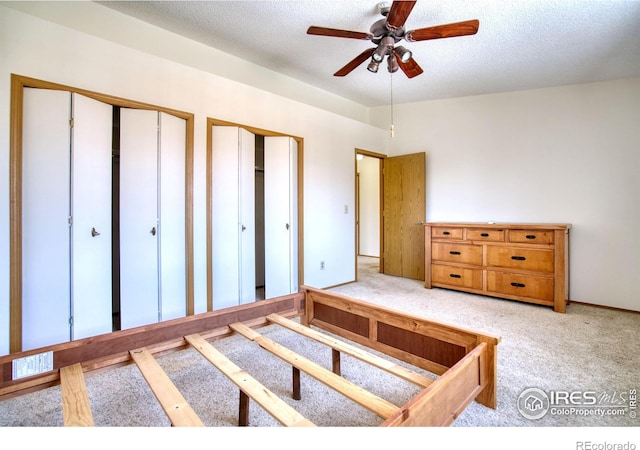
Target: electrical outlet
(321, 265)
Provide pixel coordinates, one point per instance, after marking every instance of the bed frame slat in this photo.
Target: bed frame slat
(364, 398)
(275, 406)
(174, 404)
(353, 351)
(76, 408)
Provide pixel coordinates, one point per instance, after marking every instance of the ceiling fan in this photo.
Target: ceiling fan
(387, 32)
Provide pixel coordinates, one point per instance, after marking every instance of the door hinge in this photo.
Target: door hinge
(71, 122)
(70, 220)
(71, 321)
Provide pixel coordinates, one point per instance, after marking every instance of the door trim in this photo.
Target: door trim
(209, 208)
(18, 83)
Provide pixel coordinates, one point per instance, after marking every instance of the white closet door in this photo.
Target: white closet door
(233, 260)
(138, 217)
(247, 169)
(280, 191)
(91, 217)
(173, 288)
(45, 217)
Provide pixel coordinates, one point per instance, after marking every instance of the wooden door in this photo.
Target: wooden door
(91, 217)
(404, 212)
(138, 217)
(280, 215)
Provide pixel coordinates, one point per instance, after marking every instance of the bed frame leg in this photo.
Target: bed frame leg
(335, 361)
(243, 413)
(296, 384)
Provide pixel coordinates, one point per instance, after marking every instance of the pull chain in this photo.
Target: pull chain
(391, 128)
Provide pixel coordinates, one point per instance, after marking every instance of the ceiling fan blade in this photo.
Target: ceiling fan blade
(410, 68)
(355, 62)
(443, 31)
(399, 12)
(322, 31)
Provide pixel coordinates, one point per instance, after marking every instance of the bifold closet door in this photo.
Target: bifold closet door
(66, 217)
(45, 217)
(172, 229)
(139, 301)
(280, 217)
(233, 221)
(91, 148)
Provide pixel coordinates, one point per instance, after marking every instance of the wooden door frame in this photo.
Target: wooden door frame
(381, 157)
(209, 198)
(18, 83)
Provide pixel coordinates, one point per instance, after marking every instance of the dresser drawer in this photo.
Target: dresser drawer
(520, 258)
(479, 234)
(531, 236)
(460, 253)
(446, 232)
(456, 276)
(521, 285)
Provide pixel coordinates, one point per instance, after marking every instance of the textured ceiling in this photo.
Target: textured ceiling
(520, 44)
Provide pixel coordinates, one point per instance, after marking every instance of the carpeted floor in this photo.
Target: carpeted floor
(588, 353)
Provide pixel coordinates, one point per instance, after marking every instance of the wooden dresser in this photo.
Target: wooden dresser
(526, 262)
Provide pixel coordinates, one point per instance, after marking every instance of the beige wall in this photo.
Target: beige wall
(563, 154)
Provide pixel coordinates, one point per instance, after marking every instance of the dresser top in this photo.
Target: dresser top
(502, 225)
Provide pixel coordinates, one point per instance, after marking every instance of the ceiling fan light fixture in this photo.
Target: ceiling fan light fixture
(373, 66)
(392, 64)
(404, 54)
(378, 54)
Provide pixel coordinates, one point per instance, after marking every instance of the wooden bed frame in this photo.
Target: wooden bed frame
(464, 362)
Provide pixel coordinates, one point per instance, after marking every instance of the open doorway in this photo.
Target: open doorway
(369, 238)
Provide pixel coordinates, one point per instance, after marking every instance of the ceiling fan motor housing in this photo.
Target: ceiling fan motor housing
(380, 30)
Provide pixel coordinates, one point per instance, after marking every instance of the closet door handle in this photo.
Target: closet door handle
(243, 228)
(286, 225)
(94, 232)
(153, 231)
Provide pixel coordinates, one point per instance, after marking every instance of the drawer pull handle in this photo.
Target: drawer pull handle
(454, 275)
(520, 285)
(530, 236)
(453, 252)
(518, 258)
(484, 234)
(446, 233)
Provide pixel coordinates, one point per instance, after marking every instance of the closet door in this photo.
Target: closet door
(247, 219)
(172, 233)
(233, 233)
(280, 191)
(91, 217)
(45, 218)
(138, 217)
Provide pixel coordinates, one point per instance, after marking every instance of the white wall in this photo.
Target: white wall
(43, 50)
(566, 155)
